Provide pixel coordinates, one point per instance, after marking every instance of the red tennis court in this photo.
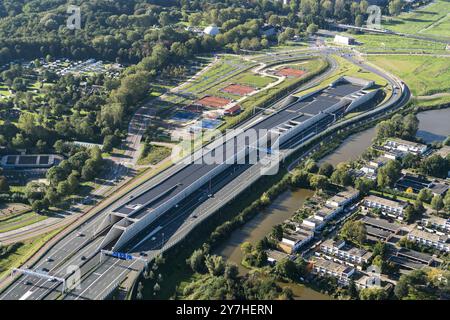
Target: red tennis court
(214, 102)
(289, 72)
(238, 89)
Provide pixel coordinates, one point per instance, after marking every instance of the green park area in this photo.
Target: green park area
(250, 79)
(370, 43)
(432, 20)
(346, 68)
(13, 256)
(424, 75)
(152, 155)
(19, 221)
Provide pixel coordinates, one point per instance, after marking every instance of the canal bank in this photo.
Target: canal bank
(433, 126)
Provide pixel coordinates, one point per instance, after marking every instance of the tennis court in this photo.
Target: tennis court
(213, 102)
(238, 89)
(208, 124)
(184, 116)
(289, 72)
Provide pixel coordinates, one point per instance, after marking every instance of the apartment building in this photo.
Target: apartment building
(428, 239)
(344, 252)
(436, 223)
(406, 146)
(341, 272)
(388, 207)
(292, 241)
(343, 198)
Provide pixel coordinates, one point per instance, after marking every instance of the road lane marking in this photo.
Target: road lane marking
(26, 295)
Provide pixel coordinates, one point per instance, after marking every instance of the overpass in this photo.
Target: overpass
(100, 278)
(300, 117)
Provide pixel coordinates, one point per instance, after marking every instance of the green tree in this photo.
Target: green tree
(437, 203)
(39, 205)
(197, 261)
(435, 166)
(277, 232)
(312, 28)
(342, 177)
(286, 268)
(373, 294)
(64, 188)
(389, 174)
(326, 169)
(425, 195)
(52, 196)
(215, 265)
(354, 231)
(311, 166)
(300, 178)
(447, 201)
(318, 182)
(364, 185)
(89, 170)
(4, 186)
(395, 7)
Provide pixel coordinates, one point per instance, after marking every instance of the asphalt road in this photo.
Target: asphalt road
(100, 279)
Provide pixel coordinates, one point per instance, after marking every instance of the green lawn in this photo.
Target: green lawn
(24, 252)
(253, 80)
(156, 155)
(20, 221)
(347, 69)
(424, 75)
(433, 20)
(394, 43)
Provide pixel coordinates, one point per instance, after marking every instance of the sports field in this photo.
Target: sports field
(213, 102)
(238, 89)
(290, 72)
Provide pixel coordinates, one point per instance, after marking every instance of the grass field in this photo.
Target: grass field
(20, 221)
(432, 20)
(156, 155)
(253, 80)
(394, 43)
(424, 75)
(24, 252)
(347, 69)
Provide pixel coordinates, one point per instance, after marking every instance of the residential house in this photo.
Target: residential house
(406, 146)
(292, 241)
(429, 239)
(388, 207)
(436, 223)
(341, 272)
(273, 256)
(344, 252)
(343, 198)
(211, 31)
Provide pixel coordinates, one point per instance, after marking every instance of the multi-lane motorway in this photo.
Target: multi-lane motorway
(101, 274)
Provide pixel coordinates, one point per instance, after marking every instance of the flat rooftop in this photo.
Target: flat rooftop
(177, 183)
(381, 224)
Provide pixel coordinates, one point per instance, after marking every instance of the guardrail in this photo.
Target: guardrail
(391, 105)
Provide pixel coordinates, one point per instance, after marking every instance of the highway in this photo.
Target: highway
(99, 279)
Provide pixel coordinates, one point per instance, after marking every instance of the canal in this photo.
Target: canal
(434, 126)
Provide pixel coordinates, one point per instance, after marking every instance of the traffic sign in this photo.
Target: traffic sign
(123, 256)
